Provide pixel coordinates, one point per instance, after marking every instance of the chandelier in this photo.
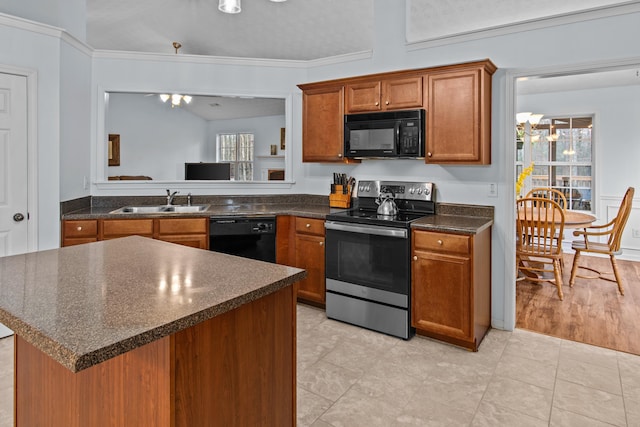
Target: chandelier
(176, 99)
(233, 6)
(526, 123)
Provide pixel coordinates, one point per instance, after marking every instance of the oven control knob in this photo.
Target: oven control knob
(419, 190)
(412, 190)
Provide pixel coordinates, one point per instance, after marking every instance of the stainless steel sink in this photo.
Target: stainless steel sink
(187, 208)
(160, 209)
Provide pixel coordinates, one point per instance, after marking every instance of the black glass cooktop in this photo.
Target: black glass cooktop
(363, 216)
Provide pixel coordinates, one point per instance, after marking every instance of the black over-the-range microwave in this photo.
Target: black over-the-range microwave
(387, 134)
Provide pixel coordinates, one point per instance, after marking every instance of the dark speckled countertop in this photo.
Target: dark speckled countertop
(84, 304)
(268, 205)
(466, 219)
(449, 217)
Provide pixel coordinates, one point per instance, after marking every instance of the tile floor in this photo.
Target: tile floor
(349, 377)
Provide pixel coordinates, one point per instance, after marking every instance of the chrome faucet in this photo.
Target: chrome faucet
(170, 196)
(189, 199)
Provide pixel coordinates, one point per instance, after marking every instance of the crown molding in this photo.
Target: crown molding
(528, 25)
(77, 44)
(27, 25)
(198, 59)
(228, 60)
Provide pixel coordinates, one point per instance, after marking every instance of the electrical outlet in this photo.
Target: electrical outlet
(635, 232)
(493, 190)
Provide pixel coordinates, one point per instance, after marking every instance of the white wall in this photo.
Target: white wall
(75, 121)
(198, 76)
(155, 139)
(616, 142)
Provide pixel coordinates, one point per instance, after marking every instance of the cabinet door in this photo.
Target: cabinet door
(200, 241)
(310, 256)
(192, 232)
(323, 124)
(441, 294)
(75, 232)
(114, 228)
(398, 94)
(363, 97)
(458, 119)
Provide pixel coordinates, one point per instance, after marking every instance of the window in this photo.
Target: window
(561, 150)
(237, 149)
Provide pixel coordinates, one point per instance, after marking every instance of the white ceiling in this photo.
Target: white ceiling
(311, 29)
(294, 30)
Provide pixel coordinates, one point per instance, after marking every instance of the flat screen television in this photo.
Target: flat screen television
(202, 171)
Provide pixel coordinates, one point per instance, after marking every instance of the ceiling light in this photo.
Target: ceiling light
(176, 99)
(278, 1)
(229, 6)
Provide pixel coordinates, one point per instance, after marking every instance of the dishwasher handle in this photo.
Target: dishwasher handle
(400, 233)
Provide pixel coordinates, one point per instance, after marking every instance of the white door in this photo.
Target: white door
(13, 168)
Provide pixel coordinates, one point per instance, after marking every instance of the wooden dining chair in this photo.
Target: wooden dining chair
(538, 250)
(558, 197)
(591, 243)
(549, 193)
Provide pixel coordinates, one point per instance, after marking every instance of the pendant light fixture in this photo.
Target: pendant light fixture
(233, 6)
(176, 98)
(229, 6)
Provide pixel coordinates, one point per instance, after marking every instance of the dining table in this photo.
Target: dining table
(572, 219)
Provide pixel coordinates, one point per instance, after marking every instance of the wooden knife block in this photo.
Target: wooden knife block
(338, 199)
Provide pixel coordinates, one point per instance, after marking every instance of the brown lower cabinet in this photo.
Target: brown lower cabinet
(76, 232)
(192, 232)
(219, 372)
(300, 243)
(451, 286)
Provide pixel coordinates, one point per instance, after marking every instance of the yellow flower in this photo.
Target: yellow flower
(523, 175)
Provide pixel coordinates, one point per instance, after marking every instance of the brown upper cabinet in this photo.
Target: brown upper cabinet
(323, 124)
(457, 99)
(388, 94)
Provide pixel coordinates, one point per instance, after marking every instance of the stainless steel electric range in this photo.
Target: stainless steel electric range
(368, 267)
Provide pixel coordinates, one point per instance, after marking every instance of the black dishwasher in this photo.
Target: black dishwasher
(249, 237)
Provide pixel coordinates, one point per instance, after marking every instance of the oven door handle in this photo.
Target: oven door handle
(363, 229)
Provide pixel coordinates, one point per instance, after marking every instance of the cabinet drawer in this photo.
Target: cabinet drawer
(84, 228)
(310, 226)
(126, 227)
(441, 242)
(183, 226)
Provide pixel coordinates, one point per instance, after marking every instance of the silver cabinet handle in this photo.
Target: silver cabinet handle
(363, 229)
(79, 228)
(415, 258)
(440, 242)
(321, 243)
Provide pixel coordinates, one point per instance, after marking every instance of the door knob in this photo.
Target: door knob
(18, 217)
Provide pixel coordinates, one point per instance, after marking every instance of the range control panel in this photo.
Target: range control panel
(399, 189)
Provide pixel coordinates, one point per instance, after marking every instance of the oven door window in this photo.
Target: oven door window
(379, 262)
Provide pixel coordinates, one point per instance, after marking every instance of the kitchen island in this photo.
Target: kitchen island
(135, 331)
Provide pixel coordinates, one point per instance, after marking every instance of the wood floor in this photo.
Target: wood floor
(592, 312)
